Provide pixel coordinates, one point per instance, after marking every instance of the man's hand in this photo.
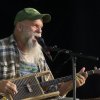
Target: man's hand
(8, 87)
(81, 77)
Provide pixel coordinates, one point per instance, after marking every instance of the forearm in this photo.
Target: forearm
(65, 88)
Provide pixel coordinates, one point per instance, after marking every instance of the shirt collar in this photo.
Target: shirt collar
(12, 39)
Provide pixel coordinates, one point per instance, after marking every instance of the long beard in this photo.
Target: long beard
(30, 44)
(35, 50)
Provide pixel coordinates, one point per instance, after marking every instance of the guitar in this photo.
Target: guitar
(29, 86)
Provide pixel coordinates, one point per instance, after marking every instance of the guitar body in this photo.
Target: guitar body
(26, 87)
(29, 88)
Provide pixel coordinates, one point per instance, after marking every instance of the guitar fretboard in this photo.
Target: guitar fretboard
(62, 79)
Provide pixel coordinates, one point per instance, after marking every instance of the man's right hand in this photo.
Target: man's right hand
(7, 87)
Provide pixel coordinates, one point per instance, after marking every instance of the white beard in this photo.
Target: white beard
(35, 50)
(30, 44)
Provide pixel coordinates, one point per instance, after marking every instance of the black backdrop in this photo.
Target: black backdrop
(74, 26)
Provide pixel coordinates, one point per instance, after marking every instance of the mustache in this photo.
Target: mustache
(37, 35)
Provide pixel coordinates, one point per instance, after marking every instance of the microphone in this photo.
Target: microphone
(46, 50)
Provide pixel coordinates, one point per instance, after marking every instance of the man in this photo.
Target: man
(21, 54)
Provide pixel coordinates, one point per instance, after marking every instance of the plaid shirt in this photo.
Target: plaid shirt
(9, 60)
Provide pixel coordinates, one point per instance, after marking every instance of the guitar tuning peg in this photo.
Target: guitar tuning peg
(95, 68)
(99, 68)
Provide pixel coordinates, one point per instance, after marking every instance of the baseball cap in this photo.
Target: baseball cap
(31, 14)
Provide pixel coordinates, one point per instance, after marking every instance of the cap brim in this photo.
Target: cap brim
(45, 17)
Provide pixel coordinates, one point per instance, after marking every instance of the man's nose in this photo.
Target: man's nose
(39, 30)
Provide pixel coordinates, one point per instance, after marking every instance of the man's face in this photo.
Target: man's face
(32, 29)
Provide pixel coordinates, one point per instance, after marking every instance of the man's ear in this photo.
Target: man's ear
(19, 27)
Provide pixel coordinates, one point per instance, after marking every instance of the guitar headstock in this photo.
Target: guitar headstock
(95, 71)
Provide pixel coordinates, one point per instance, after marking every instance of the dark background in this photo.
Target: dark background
(74, 26)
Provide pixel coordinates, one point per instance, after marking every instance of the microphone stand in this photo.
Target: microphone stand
(74, 76)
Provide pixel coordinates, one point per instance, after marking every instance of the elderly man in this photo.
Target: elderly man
(21, 54)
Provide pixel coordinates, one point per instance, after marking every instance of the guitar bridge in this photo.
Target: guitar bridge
(29, 88)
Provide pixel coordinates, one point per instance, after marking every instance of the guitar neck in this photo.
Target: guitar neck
(62, 79)
(56, 81)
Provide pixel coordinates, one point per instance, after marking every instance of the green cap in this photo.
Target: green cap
(31, 14)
